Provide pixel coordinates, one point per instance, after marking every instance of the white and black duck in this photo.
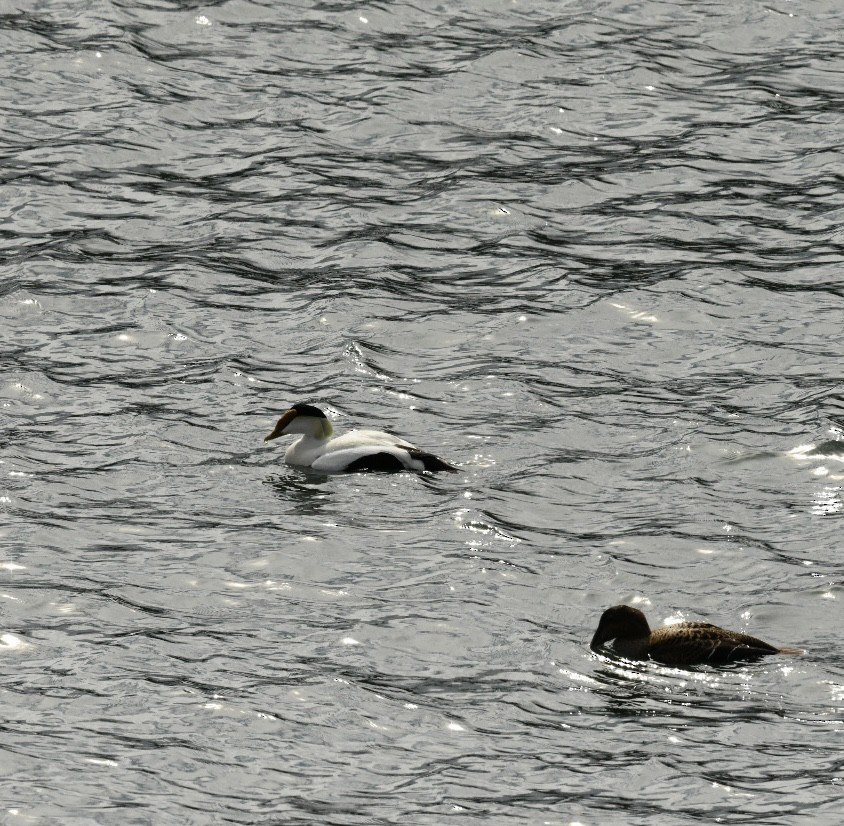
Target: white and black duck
(358, 450)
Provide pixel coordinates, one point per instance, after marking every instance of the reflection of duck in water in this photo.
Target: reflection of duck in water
(686, 643)
(353, 451)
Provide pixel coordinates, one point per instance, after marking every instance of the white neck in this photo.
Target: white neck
(315, 435)
(305, 451)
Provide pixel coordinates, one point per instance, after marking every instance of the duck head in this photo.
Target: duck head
(304, 419)
(620, 622)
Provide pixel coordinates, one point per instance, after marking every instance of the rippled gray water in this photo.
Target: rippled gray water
(590, 252)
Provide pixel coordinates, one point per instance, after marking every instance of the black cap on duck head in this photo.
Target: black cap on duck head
(620, 621)
(303, 409)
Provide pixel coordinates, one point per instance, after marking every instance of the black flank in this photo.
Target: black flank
(378, 462)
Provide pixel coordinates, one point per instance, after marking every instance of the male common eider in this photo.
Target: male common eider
(353, 451)
(686, 643)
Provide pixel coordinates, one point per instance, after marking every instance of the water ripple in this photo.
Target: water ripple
(590, 254)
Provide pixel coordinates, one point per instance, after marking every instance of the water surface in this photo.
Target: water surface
(591, 253)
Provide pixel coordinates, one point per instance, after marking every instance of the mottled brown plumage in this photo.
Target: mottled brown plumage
(686, 643)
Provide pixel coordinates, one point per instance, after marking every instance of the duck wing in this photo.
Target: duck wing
(362, 438)
(691, 643)
(374, 450)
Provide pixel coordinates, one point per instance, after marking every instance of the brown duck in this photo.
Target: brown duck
(686, 643)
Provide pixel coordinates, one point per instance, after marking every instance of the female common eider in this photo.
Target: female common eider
(686, 643)
(353, 451)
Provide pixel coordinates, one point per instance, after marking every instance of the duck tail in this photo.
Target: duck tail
(432, 463)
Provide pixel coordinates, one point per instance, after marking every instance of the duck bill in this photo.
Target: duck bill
(278, 430)
(598, 640)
